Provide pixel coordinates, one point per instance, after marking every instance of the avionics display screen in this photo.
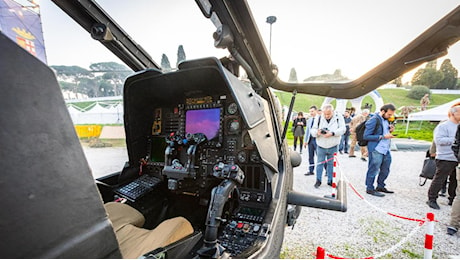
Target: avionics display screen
(206, 121)
(157, 153)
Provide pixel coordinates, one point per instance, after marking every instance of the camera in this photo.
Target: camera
(324, 131)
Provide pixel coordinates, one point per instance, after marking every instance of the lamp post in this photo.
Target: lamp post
(271, 20)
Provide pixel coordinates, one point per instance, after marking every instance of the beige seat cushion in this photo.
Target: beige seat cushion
(121, 214)
(135, 241)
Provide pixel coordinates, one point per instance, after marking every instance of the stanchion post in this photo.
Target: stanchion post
(320, 253)
(428, 252)
(334, 177)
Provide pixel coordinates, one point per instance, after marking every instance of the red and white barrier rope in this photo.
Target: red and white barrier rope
(322, 162)
(344, 176)
(334, 177)
(428, 236)
(379, 255)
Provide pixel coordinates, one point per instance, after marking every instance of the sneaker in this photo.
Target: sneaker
(451, 230)
(352, 156)
(375, 193)
(384, 190)
(442, 194)
(308, 173)
(329, 183)
(363, 159)
(346, 152)
(317, 184)
(450, 202)
(433, 204)
(341, 152)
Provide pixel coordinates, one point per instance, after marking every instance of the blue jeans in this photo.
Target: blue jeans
(311, 154)
(379, 164)
(344, 143)
(323, 155)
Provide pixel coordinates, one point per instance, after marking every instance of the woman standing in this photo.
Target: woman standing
(299, 130)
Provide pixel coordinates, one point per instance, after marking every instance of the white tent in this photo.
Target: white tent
(438, 113)
(98, 115)
(74, 112)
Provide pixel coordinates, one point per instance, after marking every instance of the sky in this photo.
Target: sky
(315, 37)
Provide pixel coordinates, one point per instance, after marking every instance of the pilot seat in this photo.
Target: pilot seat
(135, 241)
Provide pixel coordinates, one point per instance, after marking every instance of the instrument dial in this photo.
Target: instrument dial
(242, 157)
(255, 156)
(234, 126)
(232, 109)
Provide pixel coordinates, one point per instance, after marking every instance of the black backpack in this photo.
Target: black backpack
(360, 132)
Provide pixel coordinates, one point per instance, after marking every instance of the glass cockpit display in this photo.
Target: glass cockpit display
(206, 121)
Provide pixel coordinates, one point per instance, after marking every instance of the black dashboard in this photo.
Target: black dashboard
(189, 132)
(178, 151)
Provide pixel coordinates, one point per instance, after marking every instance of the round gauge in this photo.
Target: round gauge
(255, 156)
(242, 157)
(232, 109)
(234, 126)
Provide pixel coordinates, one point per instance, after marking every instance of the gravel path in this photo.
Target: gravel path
(104, 161)
(365, 230)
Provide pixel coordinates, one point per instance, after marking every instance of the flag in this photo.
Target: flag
(23, 25)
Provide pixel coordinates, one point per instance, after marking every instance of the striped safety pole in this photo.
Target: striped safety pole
(428, 252)
(320, 253)
(334, 177)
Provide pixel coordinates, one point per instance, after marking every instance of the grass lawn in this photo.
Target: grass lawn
(419, 130)
(396, 96)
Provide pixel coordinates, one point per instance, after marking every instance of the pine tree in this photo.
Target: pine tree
(449, 80)
(180, 54)
(432, 64)
(293, 76)
(165, 63)
(428, 76)
(397, 81)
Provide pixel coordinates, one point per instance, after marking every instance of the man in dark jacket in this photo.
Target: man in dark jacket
(379, 149)
(454, 224)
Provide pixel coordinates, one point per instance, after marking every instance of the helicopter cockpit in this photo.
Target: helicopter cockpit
(191, 145)
(205, 147)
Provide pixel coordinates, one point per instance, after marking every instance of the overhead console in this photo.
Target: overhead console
(193, 133)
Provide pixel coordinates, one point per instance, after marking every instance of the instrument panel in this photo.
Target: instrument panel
(173, 152)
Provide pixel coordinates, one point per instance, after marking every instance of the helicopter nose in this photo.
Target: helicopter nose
(296, 159)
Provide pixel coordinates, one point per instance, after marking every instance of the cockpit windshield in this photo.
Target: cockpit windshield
(308, 41)
(342, 40)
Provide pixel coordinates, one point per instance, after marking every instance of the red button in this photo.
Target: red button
(240, 225)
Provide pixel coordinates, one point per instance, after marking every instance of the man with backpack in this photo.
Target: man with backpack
(378, 134)
(327, 129)
(354, 123)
